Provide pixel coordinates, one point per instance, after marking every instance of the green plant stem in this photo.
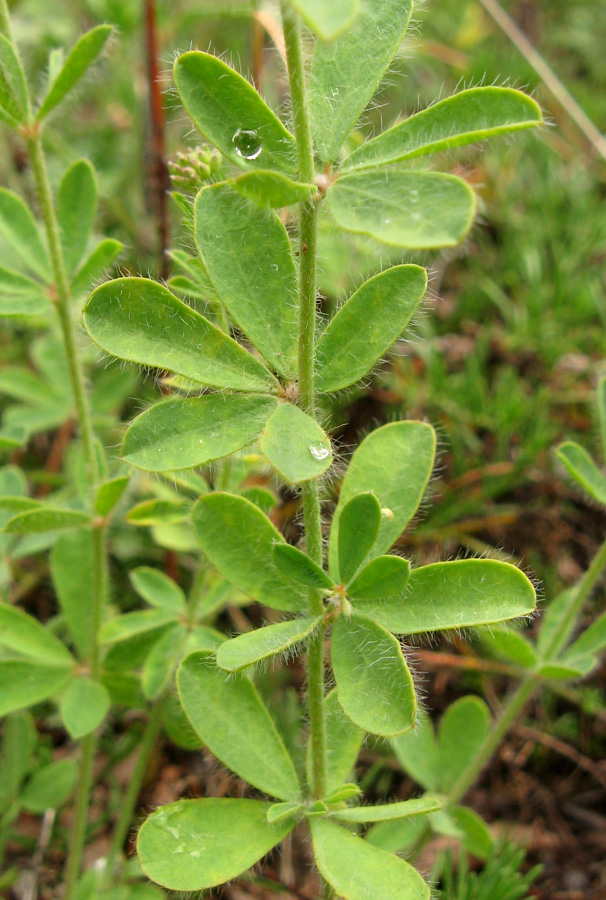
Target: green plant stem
(505, 720)
(307, 337)
(77, 841)
(89, 743)
(49, 216)
(129, 801)
(577, 600)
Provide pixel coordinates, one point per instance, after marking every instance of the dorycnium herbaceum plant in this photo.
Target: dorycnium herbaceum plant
(249, 382)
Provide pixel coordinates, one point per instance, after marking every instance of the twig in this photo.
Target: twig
(159, 178)
(553, 743)
(30, 880)
(547, 75)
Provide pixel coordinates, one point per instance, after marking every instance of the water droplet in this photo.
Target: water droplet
(318, 451)
(387, 513)
(247, 143)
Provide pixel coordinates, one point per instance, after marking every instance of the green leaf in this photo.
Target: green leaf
(161, 661)
(238, 539)
(37, 521)
(583, 469)
(567, 670)
(17, 305)
(374, 685)
(343, 742)
(298, 566)
(50, 787)
(592, 640)
(109, 493)
(12, 438)
(14, 104)
(141, 321)
(180, 434)
(345, 74)
(417, 210)
(272, 189)
(476, 836)
(79, 59)
(458, 594)
(463, 729)
(20, 231)
(601, 404)
(246, 251)
(9, 506)
(403, 810)
(158, 589)
(76, 210)
(156, 512)
(24, 634)
(281, 811)
(509, 645)
(72, 561)
(358, 871)
(471, 115)
(191, 845)
(25, 682)
(328, 20)
(417, 752)
(17, 283)
(384, 576)
(96, 264)
(398, 834)
(229, 112)
(124, 627)
(233, 722)
(393, 463)
(553, 619)
(359, 526)
(263, 643)
(342, 794)
(365, 328)
(19, 738)
(295, 444)
(84, 706)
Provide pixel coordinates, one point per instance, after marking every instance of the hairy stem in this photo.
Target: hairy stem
(98, 576)
(49, 216)
(307, 335)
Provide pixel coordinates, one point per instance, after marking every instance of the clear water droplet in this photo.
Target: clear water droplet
(247, 144)
(318, 451)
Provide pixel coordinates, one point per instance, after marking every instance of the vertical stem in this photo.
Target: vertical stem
(507, 717)
(89, 743)
(307, 332)
(577, 600)
(47, 206)
(159, 180)
(98, 576)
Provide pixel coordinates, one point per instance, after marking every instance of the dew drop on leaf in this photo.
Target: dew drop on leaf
(247, 144)
(318, 451)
